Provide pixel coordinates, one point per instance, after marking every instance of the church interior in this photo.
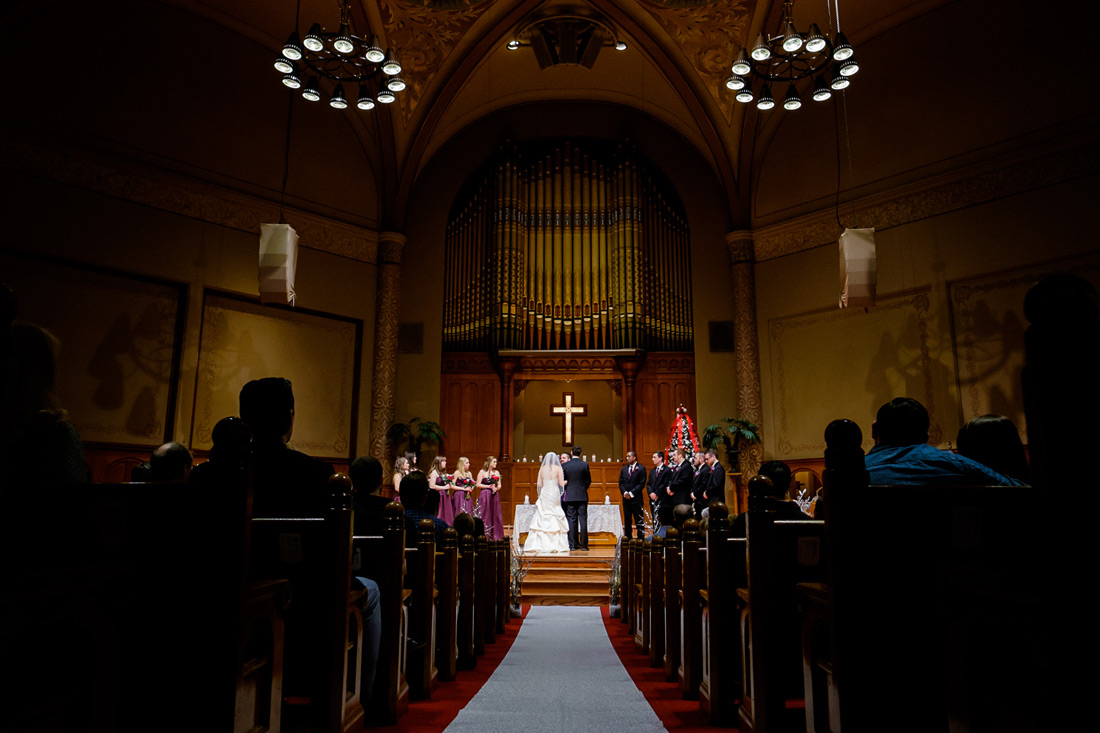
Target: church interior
(565, 219)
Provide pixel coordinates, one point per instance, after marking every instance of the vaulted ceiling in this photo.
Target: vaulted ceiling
(459, 69)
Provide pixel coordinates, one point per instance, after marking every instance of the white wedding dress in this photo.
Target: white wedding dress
(549, 532)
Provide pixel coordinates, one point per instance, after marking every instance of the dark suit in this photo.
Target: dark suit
(632, 481)
(716, 489)
(659, 477)
(699, 483)
(680, 484)
(575, 501)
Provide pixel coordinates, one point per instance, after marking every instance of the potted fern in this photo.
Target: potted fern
(730, 436)
(413, 436)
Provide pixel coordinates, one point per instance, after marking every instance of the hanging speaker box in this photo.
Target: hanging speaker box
(858, 275)
(278, 259)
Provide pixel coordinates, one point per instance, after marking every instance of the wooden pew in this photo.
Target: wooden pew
(260, 678)
(315, 554)
(446, 575)
(642, 618)
(626, 614)
(465, 634)
(382, 559)
(504, 579)
(489, 597)
(956, 579)
(691, 634)
(420, 577)
(482, 586)
(94, 577)
(726, 571)
(673, 586)
(781, 554)
(655, 591)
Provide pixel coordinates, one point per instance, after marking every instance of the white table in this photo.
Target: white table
(601, 518)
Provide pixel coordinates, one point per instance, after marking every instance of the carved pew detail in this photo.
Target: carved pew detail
(672, 589)
(382, 560)
(446, 575)
(691, 638)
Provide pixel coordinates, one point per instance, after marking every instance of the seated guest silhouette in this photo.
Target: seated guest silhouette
(44, 448)
(902, 456)
(366, 476)
(774, 500)
(286, 483)
(414, 490)
(170, 462)
(230, 454)
(994, 442)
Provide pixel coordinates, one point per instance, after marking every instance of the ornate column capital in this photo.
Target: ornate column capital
(391, 245)
(739, 245)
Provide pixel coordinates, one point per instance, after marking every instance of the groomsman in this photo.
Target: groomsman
(716, 489)
(658, 482)
(699, 482)
(632, 486)
(679, 485)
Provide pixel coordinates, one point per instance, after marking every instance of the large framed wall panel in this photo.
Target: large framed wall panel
(665, 382)
(318, 352)
(847, 363)
(989, 324)
(120, 344)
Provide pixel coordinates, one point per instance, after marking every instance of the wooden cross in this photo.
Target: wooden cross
(567, 411)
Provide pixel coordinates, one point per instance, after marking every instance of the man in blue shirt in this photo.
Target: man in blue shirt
(414, 489)
(902, 456)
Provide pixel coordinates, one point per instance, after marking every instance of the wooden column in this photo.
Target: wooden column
(506, 367)
(384, 382)
(629, 367)
(746, 348)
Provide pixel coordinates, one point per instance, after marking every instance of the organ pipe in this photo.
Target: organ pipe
(567, 246)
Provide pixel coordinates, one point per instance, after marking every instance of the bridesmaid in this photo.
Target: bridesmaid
(400, 468)
(441, 482)
(464, 484)
(488, 480)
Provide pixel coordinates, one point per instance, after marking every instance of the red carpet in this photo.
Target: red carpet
(676, 713)
(448, 698)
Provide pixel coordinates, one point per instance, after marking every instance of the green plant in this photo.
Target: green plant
(730, 436)
(414, 435)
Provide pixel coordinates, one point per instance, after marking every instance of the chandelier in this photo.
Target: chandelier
(788, 57)
(345, 58)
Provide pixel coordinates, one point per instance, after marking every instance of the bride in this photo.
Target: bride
(549, 531)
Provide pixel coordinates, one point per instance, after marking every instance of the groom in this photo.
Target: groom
(575, 501)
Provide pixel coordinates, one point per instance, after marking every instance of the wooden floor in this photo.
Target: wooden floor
(577, 579)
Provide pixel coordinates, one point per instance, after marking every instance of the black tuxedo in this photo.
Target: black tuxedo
(659, 476)
(680, 484)
(632, 481)
(716, 489)
(699, 483)
(575, 501)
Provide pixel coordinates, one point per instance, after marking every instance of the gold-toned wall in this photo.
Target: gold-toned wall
(137, 246)
(947, 328)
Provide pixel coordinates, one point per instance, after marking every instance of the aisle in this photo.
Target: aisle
(561, 674)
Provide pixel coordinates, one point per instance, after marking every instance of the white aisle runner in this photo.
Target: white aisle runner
(561, 674)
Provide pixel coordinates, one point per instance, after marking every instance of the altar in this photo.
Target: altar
(602, 518)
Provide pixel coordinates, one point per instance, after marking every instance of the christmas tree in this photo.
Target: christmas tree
(682, 434)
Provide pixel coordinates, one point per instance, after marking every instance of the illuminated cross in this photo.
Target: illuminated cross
(567, 411)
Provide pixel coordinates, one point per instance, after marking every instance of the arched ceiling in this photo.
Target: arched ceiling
(459, 69)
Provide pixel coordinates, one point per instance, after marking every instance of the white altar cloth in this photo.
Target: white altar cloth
(601, 518)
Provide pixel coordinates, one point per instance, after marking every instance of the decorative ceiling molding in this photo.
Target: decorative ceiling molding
(935, 196)
(178, 195)
(707, 32)
(423, 34)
